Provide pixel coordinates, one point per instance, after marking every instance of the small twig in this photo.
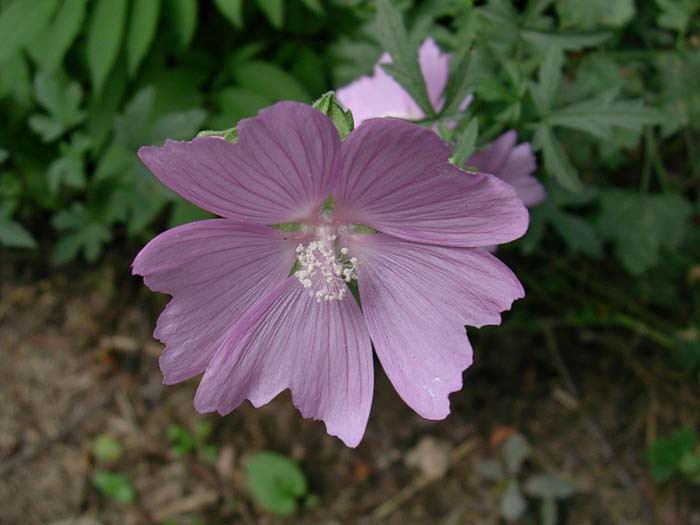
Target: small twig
(72, 425)
(418, 484)
(588, 421)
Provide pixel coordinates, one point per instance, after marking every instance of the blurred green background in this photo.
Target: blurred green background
(607, 91)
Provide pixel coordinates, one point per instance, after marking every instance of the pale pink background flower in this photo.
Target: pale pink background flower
(254, 330)
(380, 95)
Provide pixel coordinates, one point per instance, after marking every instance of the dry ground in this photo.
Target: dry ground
(77, 359)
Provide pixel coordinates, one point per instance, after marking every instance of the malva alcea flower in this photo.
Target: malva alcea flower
(380, 95)
(258, 310)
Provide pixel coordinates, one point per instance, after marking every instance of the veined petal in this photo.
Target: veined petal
(280, 170)
(377, 96)
(320, 351)
(215, 270)
(397, 179)
(512, 164)
(416, 299)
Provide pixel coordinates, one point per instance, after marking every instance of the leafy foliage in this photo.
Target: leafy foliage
(607, 93)
(548, 488)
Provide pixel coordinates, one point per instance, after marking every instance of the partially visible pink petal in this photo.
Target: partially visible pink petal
(517, 171)
(513, 164)
(397, 179)
(493, 157)
(215, 270)
(280, 170)
(320, 351)
(416, 299)
(434, 65)
(377, 96)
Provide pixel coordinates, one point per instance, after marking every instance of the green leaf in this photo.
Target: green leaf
(466, 143)
(404, 67)
(69, 168)
(179, 125)
(512, 504)
(461, 80)
(21, 22)
(106, 448)
(341, 118)
(545, 91)
(590, 14)
(104, 37)
(599, 115)
(270, 81)
(230, 134)
(115, 486)
(183, 441)
(641, 224)
(548, 486)
(15, 81)
(314, 5)
(143, 23)
(665, 454)
(62, 100)
(577, 234)
(232, 10)
(565, 40)
(680, 90)
(515, 451)
(274, 11)
(183, 16)
(276, 482)
(556, 161)
(49, 48)
(82, 231)
(690, 465)
(14, 235)
(676, 14)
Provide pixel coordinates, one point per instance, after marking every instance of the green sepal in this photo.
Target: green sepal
(230, 135)
(287, 226)
(341, 118)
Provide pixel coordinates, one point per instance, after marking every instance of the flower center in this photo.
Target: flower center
(323, 266)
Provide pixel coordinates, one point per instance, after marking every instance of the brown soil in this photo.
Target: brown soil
(78, 359)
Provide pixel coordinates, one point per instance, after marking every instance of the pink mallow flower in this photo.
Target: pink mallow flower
(380, 95)
(259, 310)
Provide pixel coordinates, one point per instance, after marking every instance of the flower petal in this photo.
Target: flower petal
(434, 65)
(512, 164)
(517, 171)
(491, 158)
(416, 299)
(377, 96)
(215, 270)
(397, 179)
(280, 170)
(320, 351)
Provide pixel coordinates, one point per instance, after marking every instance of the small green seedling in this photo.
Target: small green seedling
(106, 449)
(676, 455)
(185, 442)
(277, 483)
(505, 472)
(114, 485)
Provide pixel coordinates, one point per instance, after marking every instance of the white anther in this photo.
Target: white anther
(323, 267)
